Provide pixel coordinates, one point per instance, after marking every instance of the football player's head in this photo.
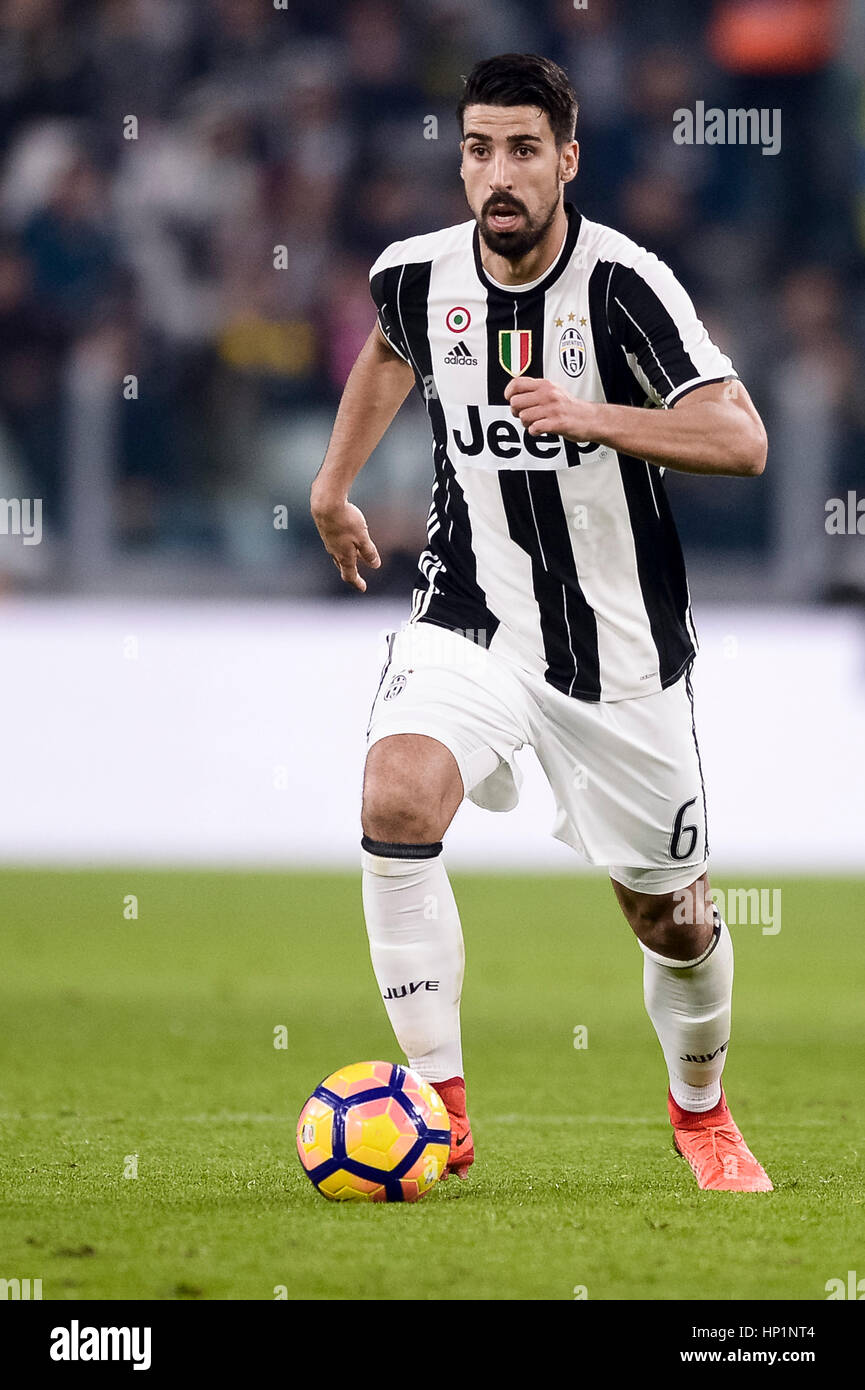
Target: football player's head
(517, 117)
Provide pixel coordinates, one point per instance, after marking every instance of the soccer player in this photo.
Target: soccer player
(552, 608)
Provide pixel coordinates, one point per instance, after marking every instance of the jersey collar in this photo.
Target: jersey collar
(551, 275)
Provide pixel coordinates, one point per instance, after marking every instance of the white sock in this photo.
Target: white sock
(689, 1005)
(417, 952)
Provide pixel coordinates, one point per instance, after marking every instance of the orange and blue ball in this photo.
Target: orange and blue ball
(374, 1132)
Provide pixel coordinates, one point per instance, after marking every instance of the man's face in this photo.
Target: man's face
(513, 175)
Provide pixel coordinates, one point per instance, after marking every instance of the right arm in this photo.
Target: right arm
(378, 384)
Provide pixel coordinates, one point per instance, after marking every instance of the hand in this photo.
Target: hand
(543, 408)
(343, 529)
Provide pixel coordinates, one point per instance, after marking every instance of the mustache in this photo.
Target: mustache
(502, 204)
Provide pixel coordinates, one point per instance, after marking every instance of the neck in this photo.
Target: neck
(535, 262)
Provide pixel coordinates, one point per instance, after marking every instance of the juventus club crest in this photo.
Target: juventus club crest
(572, 351)
(515, 349)
(397, 685)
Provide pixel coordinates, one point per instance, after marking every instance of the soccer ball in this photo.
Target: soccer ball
(374, 1132)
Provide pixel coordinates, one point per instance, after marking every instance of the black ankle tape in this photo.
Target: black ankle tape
(385, 850)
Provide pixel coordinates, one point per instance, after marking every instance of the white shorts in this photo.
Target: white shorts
(625, 774)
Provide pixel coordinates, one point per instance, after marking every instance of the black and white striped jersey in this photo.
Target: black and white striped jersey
(561, 556)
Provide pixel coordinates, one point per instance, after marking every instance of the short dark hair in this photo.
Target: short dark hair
(523, 79)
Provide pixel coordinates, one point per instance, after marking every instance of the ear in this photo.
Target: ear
(462, 153)
(569, 162)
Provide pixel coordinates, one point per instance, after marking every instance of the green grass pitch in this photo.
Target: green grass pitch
(150, 1043)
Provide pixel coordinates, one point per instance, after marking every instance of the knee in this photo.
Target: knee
(401, 806)
(394, 815)
(666, 937)
(661, 925)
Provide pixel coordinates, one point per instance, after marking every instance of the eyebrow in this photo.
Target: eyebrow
(513, 139)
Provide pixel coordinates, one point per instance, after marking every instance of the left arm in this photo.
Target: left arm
(712, 429)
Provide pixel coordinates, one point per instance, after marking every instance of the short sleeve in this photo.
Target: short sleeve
(652, 317)
(384, 288)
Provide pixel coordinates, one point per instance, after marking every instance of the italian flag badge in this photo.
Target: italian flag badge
(515, 349)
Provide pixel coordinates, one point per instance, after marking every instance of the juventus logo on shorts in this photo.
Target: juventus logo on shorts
(515, 349)
(396, 686)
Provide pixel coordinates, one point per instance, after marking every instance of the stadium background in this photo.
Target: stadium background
(186, 683)
(179, 312)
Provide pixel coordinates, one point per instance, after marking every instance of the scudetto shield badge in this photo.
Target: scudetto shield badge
(515, 349)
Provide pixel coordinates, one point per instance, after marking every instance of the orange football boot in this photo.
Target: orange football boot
(462, 1154)
(718, 1155)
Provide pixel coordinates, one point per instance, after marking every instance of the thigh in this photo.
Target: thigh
(439, 684)
(628, 785)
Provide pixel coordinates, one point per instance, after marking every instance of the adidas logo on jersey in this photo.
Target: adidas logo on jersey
(460, 356)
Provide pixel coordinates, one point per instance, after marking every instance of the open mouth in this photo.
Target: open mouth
(503, 219)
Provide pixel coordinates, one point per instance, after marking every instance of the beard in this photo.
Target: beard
(514, 245)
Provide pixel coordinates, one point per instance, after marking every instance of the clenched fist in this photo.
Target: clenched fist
(543, 408)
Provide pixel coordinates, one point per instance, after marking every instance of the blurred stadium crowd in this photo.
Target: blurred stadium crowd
(168, 375)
